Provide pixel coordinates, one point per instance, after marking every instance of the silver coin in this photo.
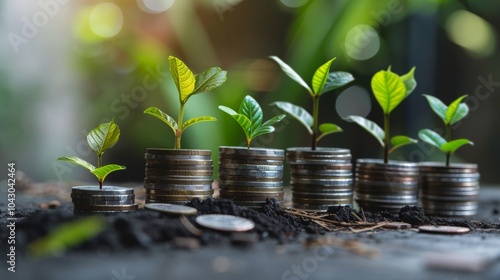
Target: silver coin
(176, 187)
(250, 189)
(435, 167)
(180, 192)
(117, 197)
(263, 184)
(235, 178)
(329, 195)
(257, 167)
(227, 193)
(250, 173)
(180, 202)
(178, 152)
(444, 229)
(176, 197)
(225, 222)
(104, 203)
(321, 189)
(171, 208)
(316, 207)
(106, 190)
(379, 164)
(321, 182)
(105, 208)
(251, 151)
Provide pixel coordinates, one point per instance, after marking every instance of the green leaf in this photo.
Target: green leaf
(409, 81)
(153, 111)
(67, 235)
(431, 137)
(456, 111)
(78, 161)
(454, 145)
(437, 106)
(262, 130)
(328, 128)
(250, 108)
(209, 79)
(369, 126)
(296, 112)
(274, 120)
(320, 77)
(105, 170)
(103, 137)
(183, 77)
(292, 74)
(192, 121)
(399, 141)
(337, 79)
(388, 89)
(242, 120)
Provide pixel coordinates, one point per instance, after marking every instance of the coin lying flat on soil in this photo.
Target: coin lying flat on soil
(225, 222)
(444, 229)
(171, 208)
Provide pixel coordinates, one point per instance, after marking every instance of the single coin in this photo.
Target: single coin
(106, 190)
(225, 222)
(171, 208)
(444, 229)
(173, 152)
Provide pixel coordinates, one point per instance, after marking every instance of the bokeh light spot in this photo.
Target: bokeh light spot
(362, 42)
(155, 6)
(353, 101)
(106, 20)
(294, 3)
(471, 32)
(262, 75)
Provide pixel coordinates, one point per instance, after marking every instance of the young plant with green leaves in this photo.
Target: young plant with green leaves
(322, 81)
(100, 139)
(389, 90)
(250, 118)
(188, 84)
(450, 115)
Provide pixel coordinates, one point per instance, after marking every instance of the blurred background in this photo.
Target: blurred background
(70, 65)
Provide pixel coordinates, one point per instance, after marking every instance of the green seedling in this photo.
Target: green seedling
(188, 84)
(450, 115)
(389, 90)
(250, 117)
(322, 81)
(100, 139)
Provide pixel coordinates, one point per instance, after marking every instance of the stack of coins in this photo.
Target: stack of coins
(107, 199)
(383, 186)
(320, 178)
(249, 176)
(449, 191)
(177, 176)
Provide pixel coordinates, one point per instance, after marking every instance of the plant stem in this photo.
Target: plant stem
(99, 160)
(448, 139)
(386, 138)
(100, 184)
(178, 133)
(315, 121)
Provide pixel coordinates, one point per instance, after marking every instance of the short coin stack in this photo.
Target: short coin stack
(320, 178)
(249, 176)
(177, 176)
(450, 191)
(385, 186)
(107, 199)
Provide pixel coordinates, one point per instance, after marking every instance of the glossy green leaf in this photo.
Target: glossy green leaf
(409, 81)
(371, 127)
(456, 111)
(183, 77)
(328, 128)
(67, 235)
(250, 108)
(291, 73)
(437, 106)
(431, 137)
(399, 141)
(454, 145)
(320, 76)
(297, 113)
(78, 161)
(388, 89)
(153, 111)
(105, 170)
(337, 79)
(274, 120)
(209, 79)
(103, 137)
(263, 130)
(242, 120)
(196, 120)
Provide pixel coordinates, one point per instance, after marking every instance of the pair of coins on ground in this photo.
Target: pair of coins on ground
(213, 221)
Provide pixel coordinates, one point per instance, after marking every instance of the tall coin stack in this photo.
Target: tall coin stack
(450, 191)
(177, 176)
(107, 199)
(249, 176)
(385, 186)
(320, 178)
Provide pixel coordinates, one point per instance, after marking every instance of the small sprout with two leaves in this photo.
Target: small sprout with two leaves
(390, 90)
(450, 115)
(187, 85)
(100, 139)
(323, 81)
(250, 117)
